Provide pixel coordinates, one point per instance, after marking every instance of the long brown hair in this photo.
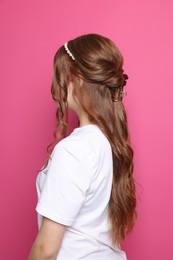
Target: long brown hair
(99, 63)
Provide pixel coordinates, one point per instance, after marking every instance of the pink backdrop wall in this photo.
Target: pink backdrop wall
(31, 31)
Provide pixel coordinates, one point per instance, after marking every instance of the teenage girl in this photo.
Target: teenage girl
(86, 192)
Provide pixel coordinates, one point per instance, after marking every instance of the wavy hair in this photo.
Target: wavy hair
(99, 63)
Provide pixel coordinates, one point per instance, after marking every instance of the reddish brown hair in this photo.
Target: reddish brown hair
(99, 63)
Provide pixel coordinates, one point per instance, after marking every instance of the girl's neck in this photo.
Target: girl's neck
(83, 120)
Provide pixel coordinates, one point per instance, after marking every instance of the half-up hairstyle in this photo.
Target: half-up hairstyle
(99, 63)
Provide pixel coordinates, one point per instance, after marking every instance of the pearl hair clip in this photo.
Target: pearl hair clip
(68, 51)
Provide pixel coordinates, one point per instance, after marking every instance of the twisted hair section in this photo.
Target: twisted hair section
(59, 94)
(99, 63)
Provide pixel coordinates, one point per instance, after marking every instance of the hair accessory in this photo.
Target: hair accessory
(121, 94)
(68, 51)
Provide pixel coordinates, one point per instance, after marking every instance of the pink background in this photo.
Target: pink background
(31, 32)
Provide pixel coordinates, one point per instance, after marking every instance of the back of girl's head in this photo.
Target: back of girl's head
(98, 62)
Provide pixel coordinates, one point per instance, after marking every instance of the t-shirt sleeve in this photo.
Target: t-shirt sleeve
(67, 182)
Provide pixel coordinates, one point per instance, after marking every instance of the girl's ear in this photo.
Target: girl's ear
(70, 87)
(80, 81)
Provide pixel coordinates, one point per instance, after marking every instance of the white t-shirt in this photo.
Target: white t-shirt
(74, 190)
